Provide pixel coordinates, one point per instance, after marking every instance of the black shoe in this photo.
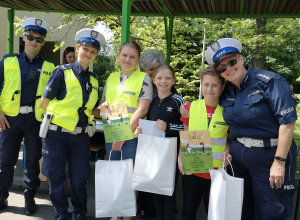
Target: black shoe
(3, 203)
(30, 207)
(79, 217)
(142, 215)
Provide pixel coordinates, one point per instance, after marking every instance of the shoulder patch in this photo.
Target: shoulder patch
(11, 55)
(265, 77)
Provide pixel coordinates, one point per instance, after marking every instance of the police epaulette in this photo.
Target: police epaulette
(11, 55)
(65, 66)
(263, 77)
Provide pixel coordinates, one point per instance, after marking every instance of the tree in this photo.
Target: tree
(272, 44)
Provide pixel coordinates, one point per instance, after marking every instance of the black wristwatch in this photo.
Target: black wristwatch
(280, 158)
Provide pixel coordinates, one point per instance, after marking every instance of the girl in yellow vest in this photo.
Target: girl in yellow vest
(135, 89)
(197, 185)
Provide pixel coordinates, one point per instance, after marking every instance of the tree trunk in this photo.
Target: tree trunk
(259, 62)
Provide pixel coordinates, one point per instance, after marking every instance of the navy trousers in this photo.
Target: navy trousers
(261, 202)
(22, 125)
(58, 146)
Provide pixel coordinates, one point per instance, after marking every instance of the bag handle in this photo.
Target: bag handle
(229, 164)
(110, 156)
(164, 134)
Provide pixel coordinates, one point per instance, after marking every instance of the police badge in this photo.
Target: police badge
(215, 46)
(94, 34)
(38, 22)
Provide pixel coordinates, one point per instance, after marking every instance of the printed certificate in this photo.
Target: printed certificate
(116, 123)
(196, 151)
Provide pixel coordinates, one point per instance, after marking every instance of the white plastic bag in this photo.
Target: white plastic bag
(114, 194)
(155, 164)
(226, 196)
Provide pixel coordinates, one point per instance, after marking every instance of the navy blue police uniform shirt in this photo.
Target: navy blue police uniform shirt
(56, 87)
(262, 104)
(28, 86)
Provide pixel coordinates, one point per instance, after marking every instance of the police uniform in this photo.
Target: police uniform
(73, 93)
(23, 82)
(254, 114)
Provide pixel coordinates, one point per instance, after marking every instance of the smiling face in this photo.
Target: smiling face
(235, 73)
(164, 80)
(86, 54)
(211, 87)
(128, 58)
(70, 57)
(32, 47)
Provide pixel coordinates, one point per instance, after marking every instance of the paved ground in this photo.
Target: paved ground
(45, 210)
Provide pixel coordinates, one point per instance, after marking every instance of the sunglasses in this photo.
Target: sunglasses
(231, 62)
(38, 39)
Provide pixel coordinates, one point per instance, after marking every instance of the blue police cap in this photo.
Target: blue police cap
(221, 49)
(36, 25)
(90, 37)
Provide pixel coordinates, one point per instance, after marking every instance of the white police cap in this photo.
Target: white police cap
(221, 49)
(90, 37)
(36, 25)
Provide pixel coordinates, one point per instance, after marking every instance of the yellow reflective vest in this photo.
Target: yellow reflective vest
(128, 93)
(65, 111)
(11, 93)
(217, 127)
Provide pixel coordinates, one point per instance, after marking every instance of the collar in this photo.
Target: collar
(247, 79)
(25, 58)
(78, 68)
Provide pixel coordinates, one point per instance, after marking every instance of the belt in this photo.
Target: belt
(25, 109)
(250, 142)
(77, 130)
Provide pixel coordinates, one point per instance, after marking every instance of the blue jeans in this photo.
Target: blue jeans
(128, 150)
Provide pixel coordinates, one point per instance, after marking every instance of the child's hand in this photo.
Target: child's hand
(180, 164)
(161, 125)
(104, 104)
(117, 146)
(138, 131)
(184, 113)
(226, 154)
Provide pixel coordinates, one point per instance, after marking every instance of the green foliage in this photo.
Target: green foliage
(103, 66)
(278, 41)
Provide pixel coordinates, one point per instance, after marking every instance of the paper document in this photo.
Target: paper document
(149, 128)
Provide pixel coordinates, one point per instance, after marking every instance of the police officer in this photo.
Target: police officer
(25, 76)
(261, 114)
(70, 98)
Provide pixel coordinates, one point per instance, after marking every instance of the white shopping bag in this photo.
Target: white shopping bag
(226, 196)
(114, 194)
(155, 164)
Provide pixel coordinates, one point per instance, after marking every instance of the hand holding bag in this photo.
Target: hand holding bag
(114, 194)
(226, 195)
(155, 164)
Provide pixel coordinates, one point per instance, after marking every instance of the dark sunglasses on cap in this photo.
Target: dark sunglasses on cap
(230, 63)
(31, 38)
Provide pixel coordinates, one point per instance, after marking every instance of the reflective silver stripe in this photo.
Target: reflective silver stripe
(218, 141)
(217, 156)
(131, 110)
